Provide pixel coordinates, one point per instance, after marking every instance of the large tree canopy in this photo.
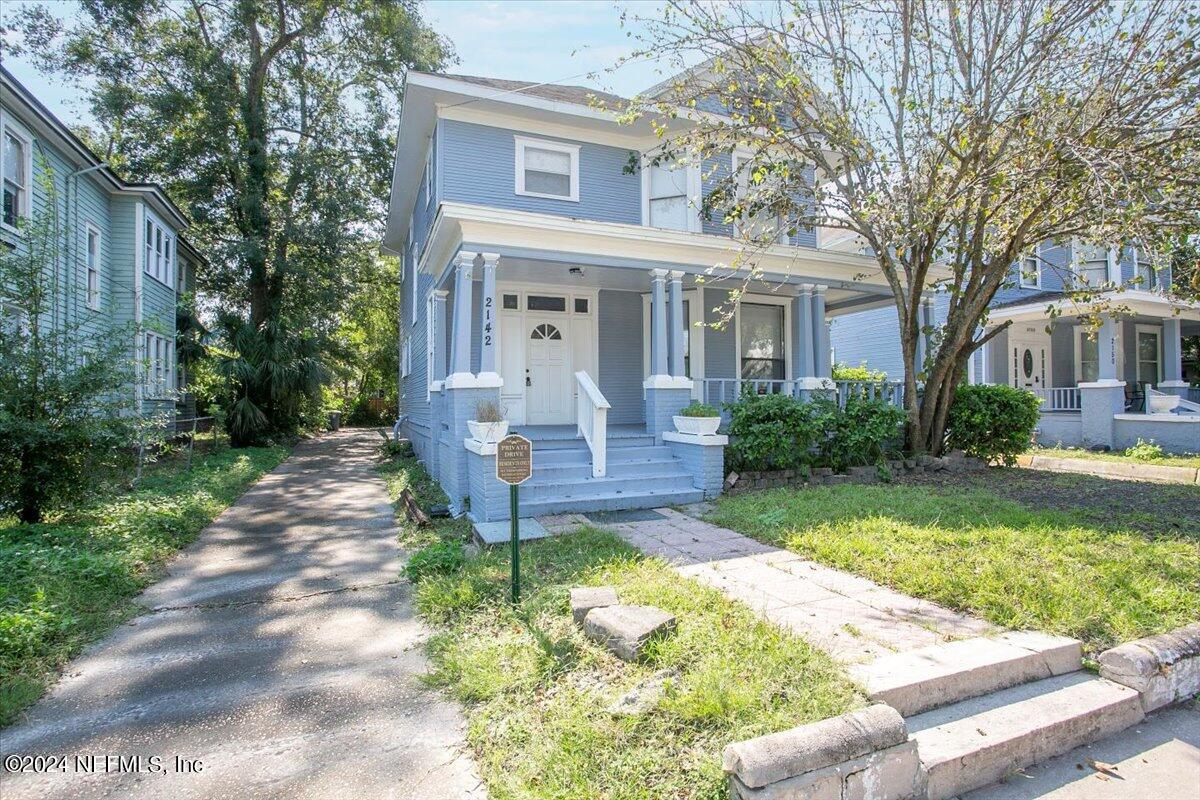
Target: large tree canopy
(272, 123)
(947, 135)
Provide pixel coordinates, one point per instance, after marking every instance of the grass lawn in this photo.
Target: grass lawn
(536, 690)
(1165, 461)
(1103, 561)
(72, 578)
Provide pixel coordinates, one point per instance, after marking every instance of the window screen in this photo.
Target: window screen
(547, 171)
(762, 341)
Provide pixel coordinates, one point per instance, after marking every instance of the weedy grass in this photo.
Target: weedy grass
(536, 691)
(1021, 566)
(1164, 460)
(71, 579)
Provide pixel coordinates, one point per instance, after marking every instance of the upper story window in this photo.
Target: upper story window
(672, 196)
(1091, 265)
(12, 319)
(547, 169)
(93, 267)
(761, 223)
(1146, 272)
(159, 252)
(1030, 271)
(428, 177)
(17, 167)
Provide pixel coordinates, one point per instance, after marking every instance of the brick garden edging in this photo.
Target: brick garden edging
(752, 480)
(1161, 473)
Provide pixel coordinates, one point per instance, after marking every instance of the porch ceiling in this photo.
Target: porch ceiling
(1129, 303)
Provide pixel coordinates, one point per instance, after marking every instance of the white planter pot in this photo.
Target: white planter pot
(701, 426)
(488, 432)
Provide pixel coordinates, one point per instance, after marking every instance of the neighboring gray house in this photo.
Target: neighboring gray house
(1134, 364)
(540, 273)
(123, 256)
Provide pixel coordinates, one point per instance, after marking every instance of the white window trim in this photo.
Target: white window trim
(1114, 265)
(406, 358)
(430, 344)
(7, 123)
(166, 274)
(788, 345)
(1037, 275)
(412, 304)
(737, 157)
(159, 379)
(1137, 366)
(1155, 275)
(693, 194)
(88, 229)
(572, 150)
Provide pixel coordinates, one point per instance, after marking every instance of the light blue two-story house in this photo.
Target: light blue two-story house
(122, 257)
(550, 267)
(1130, 380)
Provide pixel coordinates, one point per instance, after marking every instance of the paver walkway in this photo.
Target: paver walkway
(852, 618)
(281, 652)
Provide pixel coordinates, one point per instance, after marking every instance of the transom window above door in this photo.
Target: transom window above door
(546, 331)
(547, 169)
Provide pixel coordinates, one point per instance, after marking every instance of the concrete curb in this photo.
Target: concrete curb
(1163, 669)
(1160, 473)
(862, 753)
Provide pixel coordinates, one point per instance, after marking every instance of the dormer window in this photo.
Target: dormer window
(547, 169)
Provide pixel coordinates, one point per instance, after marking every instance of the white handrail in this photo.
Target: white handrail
(591, 414)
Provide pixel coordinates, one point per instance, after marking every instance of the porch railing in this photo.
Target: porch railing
(591, 414)
(718, 391)
(1059, 398)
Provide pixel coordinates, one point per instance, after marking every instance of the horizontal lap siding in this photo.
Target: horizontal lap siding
(868, 338)
(720, 346)
(479, 166)
(620, 351)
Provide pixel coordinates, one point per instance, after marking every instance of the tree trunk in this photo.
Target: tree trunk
(31, 491)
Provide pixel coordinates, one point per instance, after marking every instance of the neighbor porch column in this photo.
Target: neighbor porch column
(677, 323)
(820, 328)
(460, 346)
(1172, 345)
(658, 323)
(487, 318)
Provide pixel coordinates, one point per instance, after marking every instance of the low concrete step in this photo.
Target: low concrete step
(581, 454)
(663, 467)
(977, 742)
(548, 487)
(621, 502)
(938, 675)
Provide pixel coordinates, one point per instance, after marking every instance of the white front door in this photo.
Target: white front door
(1029, 364)
(547, 372)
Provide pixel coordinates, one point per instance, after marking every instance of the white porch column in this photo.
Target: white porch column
(437, 371)
(1106, 344)
(658, 323)
(488, 330)
(1172, 346)
(677, 323)
(460, 343)
(820, 327)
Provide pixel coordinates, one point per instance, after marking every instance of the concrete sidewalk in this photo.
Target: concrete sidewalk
(281, 653)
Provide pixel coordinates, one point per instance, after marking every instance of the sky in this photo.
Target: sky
(553, 41)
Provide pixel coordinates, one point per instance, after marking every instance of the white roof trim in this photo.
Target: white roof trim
(1136, 300)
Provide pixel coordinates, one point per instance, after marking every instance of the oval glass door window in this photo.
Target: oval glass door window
(1027, 363)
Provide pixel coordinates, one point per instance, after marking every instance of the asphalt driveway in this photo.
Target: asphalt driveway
(279, 658)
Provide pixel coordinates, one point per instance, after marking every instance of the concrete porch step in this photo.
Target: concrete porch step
(941, 674)
(978, 741)
(550, 488)
(616, 455)
(663, 467)
(609, 502)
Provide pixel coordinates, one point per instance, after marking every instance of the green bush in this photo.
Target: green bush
(770, 431)
(845, 372)
(864, 432)
(695, 409)
(1146, 451)
(992, 422)
(440, 558)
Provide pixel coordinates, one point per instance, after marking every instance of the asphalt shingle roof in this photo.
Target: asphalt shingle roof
(562, 93)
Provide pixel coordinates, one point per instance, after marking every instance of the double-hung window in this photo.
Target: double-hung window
(428, 177)
(158, 252)
(1091, 266)
(15, 168)
(760, 223)
(547, 169)
(1030, 268)
(760, 329)
(669, 197)
(93, 267)
(1147, 274)
(160, 365)
(1087, 367)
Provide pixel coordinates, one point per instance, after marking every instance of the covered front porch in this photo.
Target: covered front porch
(1134, 377)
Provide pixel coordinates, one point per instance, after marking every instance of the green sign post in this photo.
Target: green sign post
(514, 466)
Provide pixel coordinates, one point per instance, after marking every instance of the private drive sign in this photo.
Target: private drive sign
(514, 459)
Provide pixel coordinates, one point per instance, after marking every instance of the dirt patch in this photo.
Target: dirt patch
(1153, 508)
